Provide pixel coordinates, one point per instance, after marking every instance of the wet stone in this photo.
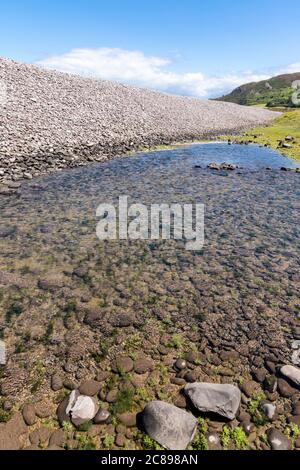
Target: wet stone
(223, 400)
(29, 414)
(57, 438)
(102, 417)
(170, 426)
(141, 366)
(56, 382)
(278, 440)
(90, 388)
(284, 389)
(128, 419)
(291, 373)
(180, 364)
(123, 365)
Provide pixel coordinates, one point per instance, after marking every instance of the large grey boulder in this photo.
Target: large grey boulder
(292, 373)
(77, 408)
(172, 427)
(223, 400)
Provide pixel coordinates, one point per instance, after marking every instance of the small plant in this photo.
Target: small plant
(102, 353)
(48, 332)
(85, 427)
(67, 427)
(200, 442)
(108, 441)
(148, 443)
(85, 442)
(124, 401)
(257, 416)
(292, 431)
(240, 439)
(20, 348)
(15, 309)
(143, 394)
(202, 425)
(4, 415)
(225, 437)
(176, 341)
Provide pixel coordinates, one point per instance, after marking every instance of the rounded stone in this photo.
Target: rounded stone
(101, 417)
(90, 388)
(123, 365)
(56, 382)
(29, 414)
(141, 366)
(180, 364)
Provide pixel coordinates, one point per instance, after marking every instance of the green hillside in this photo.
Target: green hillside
(276, 91)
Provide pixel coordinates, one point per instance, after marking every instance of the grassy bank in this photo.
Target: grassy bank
(286, 125)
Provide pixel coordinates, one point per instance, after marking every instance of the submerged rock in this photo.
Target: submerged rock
(6, 231)
(171, 427)
(223, 400)
(277, 440)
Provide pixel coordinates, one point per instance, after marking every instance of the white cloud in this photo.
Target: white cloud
(135, 68)
(292, 68)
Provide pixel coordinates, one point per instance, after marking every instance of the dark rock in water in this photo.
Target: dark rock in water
(123, 365)
(198, 166)
(228, 166)
(51, 283)
(143, 365)
(6, 231)
(214, 166)
(172, 427)
(249, 388)
(285, 389)
(277, 440)
(93, 317)
(56, 382)
(123, 320)
(222, 399)
(283, 168)
(180, 364)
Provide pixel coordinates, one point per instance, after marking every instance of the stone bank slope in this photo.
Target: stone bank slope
(53, 120)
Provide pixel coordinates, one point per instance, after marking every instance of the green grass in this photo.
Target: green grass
(125, 401)
(279, 129)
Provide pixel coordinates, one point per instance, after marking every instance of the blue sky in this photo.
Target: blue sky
(193, 47)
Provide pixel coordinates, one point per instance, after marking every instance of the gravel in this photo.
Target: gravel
(52, 120)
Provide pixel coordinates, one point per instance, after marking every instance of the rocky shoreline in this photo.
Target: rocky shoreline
(52, 121)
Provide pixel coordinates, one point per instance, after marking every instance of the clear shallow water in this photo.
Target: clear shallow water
(246, 156)
(241, 292)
